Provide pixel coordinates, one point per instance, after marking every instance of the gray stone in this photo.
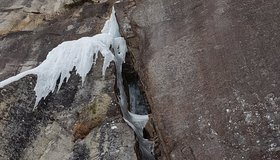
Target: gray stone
(78, 122)
(211, 72)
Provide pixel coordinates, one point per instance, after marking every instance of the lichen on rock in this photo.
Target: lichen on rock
(92, 115)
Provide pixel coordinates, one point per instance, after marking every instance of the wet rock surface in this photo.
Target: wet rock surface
(78, 122)
(211, 73)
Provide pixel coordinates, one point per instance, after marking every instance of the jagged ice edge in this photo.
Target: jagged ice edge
(82, 54)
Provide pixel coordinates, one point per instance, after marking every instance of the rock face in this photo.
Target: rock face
(25, 15)
(78, 122)
(211, 72)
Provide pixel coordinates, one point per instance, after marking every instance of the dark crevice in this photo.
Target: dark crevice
(132, 82)
(147, 135)
(138, 103)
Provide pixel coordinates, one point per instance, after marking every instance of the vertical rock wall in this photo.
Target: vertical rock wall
(78, 122)
(211, 72)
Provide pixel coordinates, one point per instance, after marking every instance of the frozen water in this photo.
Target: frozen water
(82, 54)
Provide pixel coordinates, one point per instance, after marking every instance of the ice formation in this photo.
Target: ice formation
(82, 54)
(135, 121)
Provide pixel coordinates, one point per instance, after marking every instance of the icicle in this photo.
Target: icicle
(82, 54)
(111, 26)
